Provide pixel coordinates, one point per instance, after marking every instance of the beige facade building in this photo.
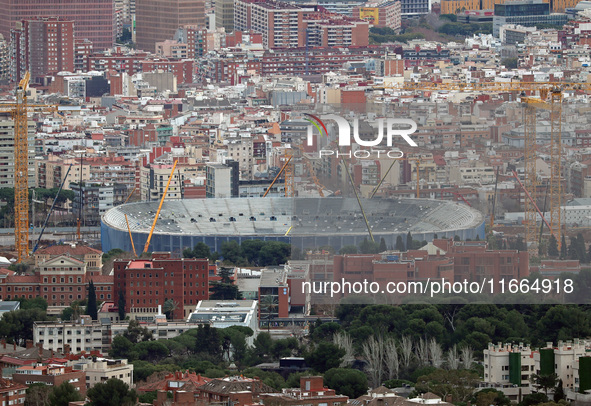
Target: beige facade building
(101, 369)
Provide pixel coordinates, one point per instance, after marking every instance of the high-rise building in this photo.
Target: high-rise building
(385, 14)
(285, 25)
(7, 151)
(222, 179)
(158, 20)
(4, 59)
(528, 13)
(458, 6)
(45, 47)
(224, 14)
(93, 19)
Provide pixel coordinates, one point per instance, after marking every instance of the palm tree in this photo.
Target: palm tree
(169, 307)
(269, 303)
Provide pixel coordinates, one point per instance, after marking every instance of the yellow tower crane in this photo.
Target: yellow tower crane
(550, 98)
(19, 112)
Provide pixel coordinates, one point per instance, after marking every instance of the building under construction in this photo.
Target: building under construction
(303, 222)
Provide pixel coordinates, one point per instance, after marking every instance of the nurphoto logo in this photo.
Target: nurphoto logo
(389, 128)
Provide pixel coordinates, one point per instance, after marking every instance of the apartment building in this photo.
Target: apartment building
(99, 370)
(285, 25)
(92, 200)
(93, 19)
(12, 393)
(52, 375)
(45, 47)
(7, 151)
(222, 180)
(510, 364)
(89, 335)
(158, 20)
(384, 14)
(147, 284)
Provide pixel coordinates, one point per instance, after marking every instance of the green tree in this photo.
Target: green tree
(64, 394)
(459, 384)
(73, 311)
(37, 394)
(17, 326)
(348, 382)
(533, 399)
(137, 333)
(369, 247)
(225, 288)
(91, 307)
(169, 307)
(563, 248)
(409, 241)
(121, 347)
(152, 351)
(35, 303)
(201, 250)
(520, 244)
(553, 247)
(545, 382)
(490, 396)
(324, 356)
(231, 252)
(559, 392)
(121, 306)
(274, 253)
(399, 244)
(348, 249)
(251, 250)
(148, 397)
(382, 245)
(111, 393)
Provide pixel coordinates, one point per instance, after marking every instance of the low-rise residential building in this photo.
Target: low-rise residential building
(99, 370)
(51, 374)
(88, 335)
(12, 393)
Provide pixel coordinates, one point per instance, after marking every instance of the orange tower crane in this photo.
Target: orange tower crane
(19, 112)
(550, 98)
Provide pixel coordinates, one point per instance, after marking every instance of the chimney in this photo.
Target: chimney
(14, 344)
(3, 343)
(40, 347)
(29, 344)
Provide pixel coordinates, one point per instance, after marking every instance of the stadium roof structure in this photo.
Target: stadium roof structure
(301, 216)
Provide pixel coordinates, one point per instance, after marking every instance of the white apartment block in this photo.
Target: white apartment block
(87, 335)
(509, 365)
(7, 151)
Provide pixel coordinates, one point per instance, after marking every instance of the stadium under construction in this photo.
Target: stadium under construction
(303, 222)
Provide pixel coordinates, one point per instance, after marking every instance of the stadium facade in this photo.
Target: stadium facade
(303, 222)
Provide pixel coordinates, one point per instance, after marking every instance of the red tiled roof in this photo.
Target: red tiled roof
(67, 249)
(4, 271)
(22, 279)
(195, 379)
